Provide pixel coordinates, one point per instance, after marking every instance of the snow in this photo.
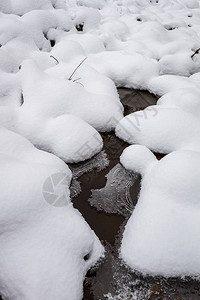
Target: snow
(160, 238)
(88, 17)
(172, 124)
(59, 115)
(166, 130)
(119, 67)
(40, 244)
(21, 7)
(10, 90)
(134, 162)
(179, 64)
(99, 98)
(60, 63)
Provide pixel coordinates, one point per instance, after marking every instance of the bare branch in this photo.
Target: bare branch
(57, 62)
(196, 52)
(76, 79)
(70, 77)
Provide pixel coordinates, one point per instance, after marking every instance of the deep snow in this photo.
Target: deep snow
(45, 250)
(161, 236)
(46, 102)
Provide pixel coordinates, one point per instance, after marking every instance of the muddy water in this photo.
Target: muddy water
(108, 196)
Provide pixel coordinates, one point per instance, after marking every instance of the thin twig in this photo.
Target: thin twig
(80, 83)
(57, 62)
(196, 52)
(70, 77)
(76, 79)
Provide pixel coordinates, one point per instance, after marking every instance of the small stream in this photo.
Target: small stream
(107, 198)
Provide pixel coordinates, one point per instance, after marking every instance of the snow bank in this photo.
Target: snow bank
(171, 125)
(41, 244)
(131, 71)
(10, 90)
(168, 83)
(57, 114)
(90, 3)
(93, 97)
(21, 7)
(160, 238)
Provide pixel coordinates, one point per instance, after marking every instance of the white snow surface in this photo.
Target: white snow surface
(173, 124)
(59, 115)
(43, 245)
(60, 63)
(160, 237)
(138, 44)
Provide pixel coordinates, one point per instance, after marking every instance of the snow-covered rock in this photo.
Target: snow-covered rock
(131, 71)
(21, 7)
(91, 96)
(161, 236)
(46, 246)
(171, 125)
(59, 115)
(88, 17)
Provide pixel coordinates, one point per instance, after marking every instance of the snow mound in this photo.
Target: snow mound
(10, 90)
(134, 162)
(44, 240)
(87, 17)
(92, 96)
(21, 7)
(131, 71)
(171, 125)
(90, 3)
(160, 238)
(59, 115)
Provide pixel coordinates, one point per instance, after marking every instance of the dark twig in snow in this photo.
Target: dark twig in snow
(196, 52)
(79, 83)
(70, 77)
(76, 79)
(57, 62)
